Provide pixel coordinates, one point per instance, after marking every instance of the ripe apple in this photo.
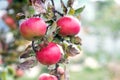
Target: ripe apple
(10, 1)
(9, 21)
(1, 61)
(33, 28)
(19, 72)
(60, 70)
(49, 55)
(68, 25)
(46, 76)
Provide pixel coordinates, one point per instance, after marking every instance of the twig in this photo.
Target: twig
(59, 13)
(53, 3)
(56, 67)
(54, 17)
(33, 47)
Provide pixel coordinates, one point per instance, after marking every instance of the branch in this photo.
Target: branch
(33, 47)
(53, 3)
(59, 13)
(56, 67)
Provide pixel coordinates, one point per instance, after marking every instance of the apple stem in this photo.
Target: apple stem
(33, 47)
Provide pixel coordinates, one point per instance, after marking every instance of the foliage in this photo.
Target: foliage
(10, 52)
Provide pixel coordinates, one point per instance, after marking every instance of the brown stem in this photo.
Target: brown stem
(33, 47)
(56, 67)
(53, 3)
(59, 13)
(54, 17)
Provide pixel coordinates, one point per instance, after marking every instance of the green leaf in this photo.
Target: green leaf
(49, 13)
(11, 71)
(3, 75)
(79, 10)
(71, 11)
(76, 40)
(64, 46)
(52, 28)
(79, 47)
(50, 31)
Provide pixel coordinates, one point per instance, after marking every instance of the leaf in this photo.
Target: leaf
(38, 5)
(26, 54)
(72, 51)
(64, 7)
(64, 46)
(52, 28)
(79, 47)
(20, 16)
(76, 40)
(71, 11)
(50, 31)
(79, 10)
(27, 64)
(49, 12)
(11, 71)
(70, 3)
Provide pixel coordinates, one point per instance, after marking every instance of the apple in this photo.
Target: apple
(1, 61)
(68, 25)
(10, 1)
(49, 55)
(46, 76)
(9, 21)
(60, 70)
(33, 28)
(19, 72)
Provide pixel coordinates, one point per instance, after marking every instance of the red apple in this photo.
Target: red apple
(49, 55)
(60, 70)
(33, 28)
(19, 72)
(9, 21)
(68, 25)
(46, 76)
(10, 1)
(1, 61)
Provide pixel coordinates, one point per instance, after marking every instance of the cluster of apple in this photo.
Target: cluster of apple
(53, 35)
(49, 53)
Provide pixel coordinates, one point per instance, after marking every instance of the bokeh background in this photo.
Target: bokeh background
(100, 34)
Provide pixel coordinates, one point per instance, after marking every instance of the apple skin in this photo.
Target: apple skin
(49, 55)
(19, 72)
(68, 25)
(33, 28)
(1, 61)
(46, 76)
(10, 1)
(60, 70)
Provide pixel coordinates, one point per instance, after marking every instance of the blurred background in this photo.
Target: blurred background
(100, 34)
